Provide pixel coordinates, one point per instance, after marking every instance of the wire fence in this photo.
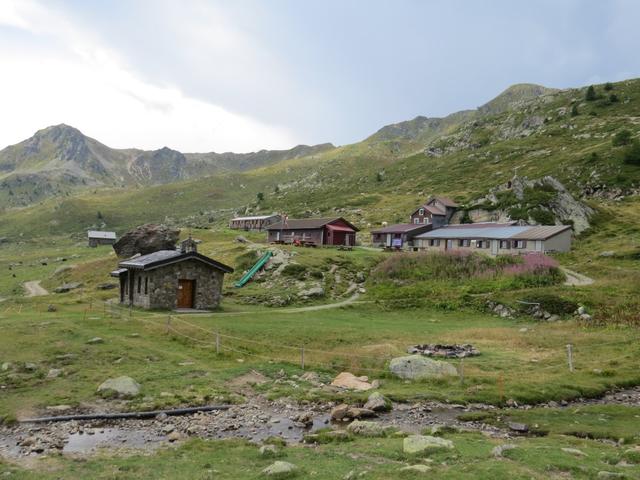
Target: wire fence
(567, 359)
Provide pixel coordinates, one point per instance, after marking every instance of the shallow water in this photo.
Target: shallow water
(110, 438)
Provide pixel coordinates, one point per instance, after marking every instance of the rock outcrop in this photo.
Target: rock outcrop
(146, 239)
(562, 206)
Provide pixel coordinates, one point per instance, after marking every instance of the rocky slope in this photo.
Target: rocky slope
(60, 159)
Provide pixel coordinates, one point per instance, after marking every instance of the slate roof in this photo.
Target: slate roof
(103, 235)
(257, 217)
(434, 210)
(307, 223)
(447, 202)
(400, 228)
(541, 232)
(166, 257)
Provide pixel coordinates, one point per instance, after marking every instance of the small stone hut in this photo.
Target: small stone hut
(172, 279)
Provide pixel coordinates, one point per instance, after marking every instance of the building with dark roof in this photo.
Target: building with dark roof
(436, 212)
(256, 222)
(496, 238)
(397, 236)
(313, 231)
(96, 238)
(172, 279)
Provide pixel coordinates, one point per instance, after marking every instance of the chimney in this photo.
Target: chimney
(189, 245)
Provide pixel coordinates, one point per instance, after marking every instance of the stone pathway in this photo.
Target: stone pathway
(576, 279)
(34, 289)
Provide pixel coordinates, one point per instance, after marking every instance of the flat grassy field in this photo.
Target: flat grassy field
(379, 458)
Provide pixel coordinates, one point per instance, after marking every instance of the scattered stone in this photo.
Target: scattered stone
(107, 286)
(498, 451)
(95, 340)
(417, 367)
(67, 287)
(416, 469)
(606, 475)
(241, 239)
(350, 381)
(518, 427)
(419, 444)
(340, 412)
(448, 351)
(574, 451)
(63, 269)
(378, 403)
(607, 253)
(52, 308)
(368, 429)
(5, 366)
(312, 377)
(346, 412)
(54, 373)
(313, 292)
(59, 408)
(121, 387)
(269, 451)
(581, 310)
(174, 436)
(586, 317)
(31, 367)
(280, 469)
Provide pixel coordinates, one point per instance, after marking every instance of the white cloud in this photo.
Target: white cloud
(74, 79)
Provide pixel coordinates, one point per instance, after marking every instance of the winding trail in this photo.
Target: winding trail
(34, 289)
(576, 279)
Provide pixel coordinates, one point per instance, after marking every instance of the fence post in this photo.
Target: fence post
(217, 342)
(461, 370)
(570, 356)
(302, 357)
(130, 311)
(168, 324)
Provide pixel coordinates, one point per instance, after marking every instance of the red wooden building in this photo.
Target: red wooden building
(313, 231)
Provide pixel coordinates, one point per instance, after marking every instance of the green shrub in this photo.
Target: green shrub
(623, 137)
(590, 95)
(553, 303)
(631, 154)
(543, 217)
(295, 270)
(246, 260)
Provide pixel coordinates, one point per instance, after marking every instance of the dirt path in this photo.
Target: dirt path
(34, 289)
(349, 301)
(576, 279)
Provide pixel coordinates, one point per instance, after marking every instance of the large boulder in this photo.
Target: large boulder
(280, 469)
(146, 239)
(350, 381)
(378, 403)
(369, 429)
(121, 387)
(424, 444)
(417, 367)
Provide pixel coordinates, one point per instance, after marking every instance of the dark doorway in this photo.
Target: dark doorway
(186, 290)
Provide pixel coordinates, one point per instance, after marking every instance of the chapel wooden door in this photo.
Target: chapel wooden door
(185, 293)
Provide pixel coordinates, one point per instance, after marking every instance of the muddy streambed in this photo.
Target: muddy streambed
(255, 420)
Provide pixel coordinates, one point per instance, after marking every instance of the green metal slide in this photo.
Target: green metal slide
(259, 264)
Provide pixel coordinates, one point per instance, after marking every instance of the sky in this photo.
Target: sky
(245, 75)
